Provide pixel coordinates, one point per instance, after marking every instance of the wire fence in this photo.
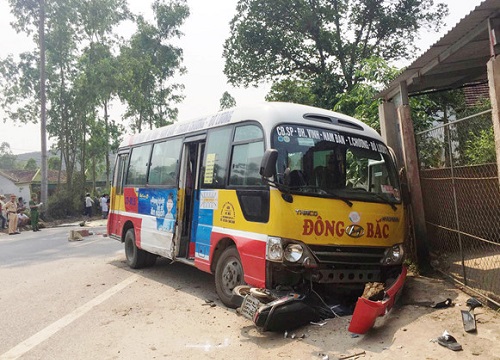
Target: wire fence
(461, 193)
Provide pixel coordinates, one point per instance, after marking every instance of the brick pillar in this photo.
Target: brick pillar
(413, 177)
(494, 84)
(390, 130)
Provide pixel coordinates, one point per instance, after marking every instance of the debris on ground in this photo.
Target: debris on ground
(443, 304)
(449, 341)
(373, 291)
(352, 356)
(209, 302)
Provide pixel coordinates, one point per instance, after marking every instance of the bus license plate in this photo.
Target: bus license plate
(249, 307)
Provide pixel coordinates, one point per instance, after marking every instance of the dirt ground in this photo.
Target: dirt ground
(411, 328)
(165, 316)
(409, 331)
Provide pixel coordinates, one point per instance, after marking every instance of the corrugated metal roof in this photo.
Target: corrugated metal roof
(459, 58)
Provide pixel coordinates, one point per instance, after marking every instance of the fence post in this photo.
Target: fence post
(494, 85)
(413, 176)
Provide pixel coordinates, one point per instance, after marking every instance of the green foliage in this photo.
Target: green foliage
(480, 148)
(19, 86)
(468, 142)
(360, 103)
(54, 163)
(227, 101)
(430, 151)
(88, 67)
(147, 63)
(7, 158)
(373, 74)
(323, 43)
(295, 91)
(31, 164)
(64, 203)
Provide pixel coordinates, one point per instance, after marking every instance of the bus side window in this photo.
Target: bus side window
(216, 158)
(121, 165)
(164, 160)
(245, 164)
(248, 150)
(138, 166)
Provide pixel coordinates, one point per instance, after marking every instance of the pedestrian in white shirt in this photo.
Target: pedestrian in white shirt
(104, 206)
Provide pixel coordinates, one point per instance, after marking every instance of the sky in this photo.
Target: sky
(204, 33)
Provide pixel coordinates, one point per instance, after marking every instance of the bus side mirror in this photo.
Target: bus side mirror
(268, 163)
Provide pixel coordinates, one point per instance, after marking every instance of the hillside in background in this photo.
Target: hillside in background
(37, 155)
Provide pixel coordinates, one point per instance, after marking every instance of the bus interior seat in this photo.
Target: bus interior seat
(297, 178)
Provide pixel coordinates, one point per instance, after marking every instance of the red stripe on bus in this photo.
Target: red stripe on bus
(118, 221)
(252, 254)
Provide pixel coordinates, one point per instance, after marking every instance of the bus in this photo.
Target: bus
(273, 195)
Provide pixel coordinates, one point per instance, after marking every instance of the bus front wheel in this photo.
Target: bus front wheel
(228, 275)
(136, 258)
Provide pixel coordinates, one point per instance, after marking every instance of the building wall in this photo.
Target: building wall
(7, 187)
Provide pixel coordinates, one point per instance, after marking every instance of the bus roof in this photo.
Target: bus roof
(268, 114)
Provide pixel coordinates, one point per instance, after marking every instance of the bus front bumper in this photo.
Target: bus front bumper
(367, 311)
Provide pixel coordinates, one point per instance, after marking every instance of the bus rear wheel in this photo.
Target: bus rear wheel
(228, 275)
(136, 258)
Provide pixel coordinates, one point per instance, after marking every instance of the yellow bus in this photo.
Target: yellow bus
(272, 195)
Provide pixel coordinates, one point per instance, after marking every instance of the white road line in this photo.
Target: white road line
(28, 344)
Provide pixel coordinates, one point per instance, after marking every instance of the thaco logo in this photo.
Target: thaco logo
(355, 231)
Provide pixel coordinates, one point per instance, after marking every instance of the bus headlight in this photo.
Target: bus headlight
(393, 255)
(293, 253)
(274, 249)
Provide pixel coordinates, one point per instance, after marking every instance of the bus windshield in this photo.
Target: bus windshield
(324, 162)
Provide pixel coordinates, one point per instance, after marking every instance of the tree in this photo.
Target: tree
(54, 163)
(360, 101)
(7, 158)
(147, 65)
(31, 164)
(72, 27)
(99, 66)
(295, 91)
(85, 72)
(227, 101)
(322, 42)
(480, 148)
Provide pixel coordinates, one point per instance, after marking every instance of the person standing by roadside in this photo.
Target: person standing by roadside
(34, 213)
(21, 206)
(11, 210)
(22, 218)
(104, 206)
(88, 205)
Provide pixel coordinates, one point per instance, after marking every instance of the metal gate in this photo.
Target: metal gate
(461, 193)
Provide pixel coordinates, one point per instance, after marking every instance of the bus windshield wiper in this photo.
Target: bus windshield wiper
(385, 200)
(336, 196)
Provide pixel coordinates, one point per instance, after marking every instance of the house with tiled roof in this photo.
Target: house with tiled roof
(26, 182)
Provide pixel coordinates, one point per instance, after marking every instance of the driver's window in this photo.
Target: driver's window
(356, 171)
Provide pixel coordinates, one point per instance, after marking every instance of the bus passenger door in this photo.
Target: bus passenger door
(189, 196)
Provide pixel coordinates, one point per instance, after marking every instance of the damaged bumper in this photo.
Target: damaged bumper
(367, 311)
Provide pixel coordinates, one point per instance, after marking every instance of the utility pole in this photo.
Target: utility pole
(43, 119)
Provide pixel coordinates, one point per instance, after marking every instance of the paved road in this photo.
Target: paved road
(78, 300)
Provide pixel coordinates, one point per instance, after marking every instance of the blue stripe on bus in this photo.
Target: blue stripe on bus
(203, 233)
